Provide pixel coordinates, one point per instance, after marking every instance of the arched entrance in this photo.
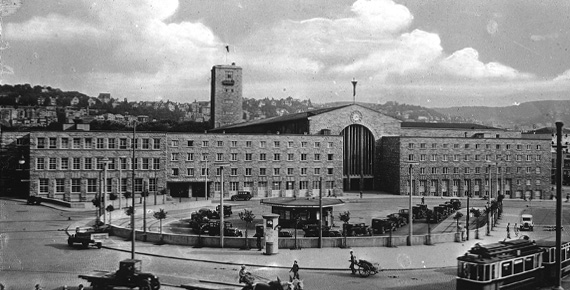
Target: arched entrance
(358, 159)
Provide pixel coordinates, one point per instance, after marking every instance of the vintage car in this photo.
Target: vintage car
(242, 195)
(382, 225)
(229, 230)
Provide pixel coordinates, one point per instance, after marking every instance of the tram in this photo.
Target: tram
(513, 264)
(549, 261)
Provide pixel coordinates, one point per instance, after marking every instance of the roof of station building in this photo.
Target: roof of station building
(447, 126)
(301, 202)
(284, 118)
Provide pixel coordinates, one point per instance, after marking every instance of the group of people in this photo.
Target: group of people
(515, 229)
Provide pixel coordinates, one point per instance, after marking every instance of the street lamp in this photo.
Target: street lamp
(104, 162)
(133, 238)
(222, 165)
(410, 217)
(120, 186)
(206, 180)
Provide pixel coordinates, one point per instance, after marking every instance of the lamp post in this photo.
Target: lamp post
(559, 163)
(206, 180)
(104, 162)
(133, 192)
(222, 165)
(468, 187)
(410, 217)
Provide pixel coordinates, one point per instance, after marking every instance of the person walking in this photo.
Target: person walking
(423, 200)
(508, 230)
(295, 270)
(259, 242)
(352, 262)
(361, 194)
(516, 230)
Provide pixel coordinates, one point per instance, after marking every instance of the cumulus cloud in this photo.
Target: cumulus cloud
(140, 45)
(466, 63)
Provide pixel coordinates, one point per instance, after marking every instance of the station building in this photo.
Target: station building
(344, 148)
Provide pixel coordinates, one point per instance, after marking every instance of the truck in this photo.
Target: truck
(526, 223)
(87, 236)
(129, 275)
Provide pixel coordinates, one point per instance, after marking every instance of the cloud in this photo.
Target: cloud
(133, 42)
(564, 77)
(537, 37)
(466, 63)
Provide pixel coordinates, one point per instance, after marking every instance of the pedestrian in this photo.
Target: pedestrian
(361, 194)
(352, 262)
(295, 270)
(508, 230)
(516, 230)
(423, 200)
(329, 193)
(242, 273)
(259, 242)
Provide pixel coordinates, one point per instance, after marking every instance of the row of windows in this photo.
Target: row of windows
(96, 143)
(467, 182)
(476, 157)
(175, 156)
(488, 272)
(476, 146)
(91, 163)
(91, 185)
(249, 144)
(248, 171)
(477, 170)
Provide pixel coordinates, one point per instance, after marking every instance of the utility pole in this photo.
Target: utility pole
(320, 212)
(133, 238)
(558, 267)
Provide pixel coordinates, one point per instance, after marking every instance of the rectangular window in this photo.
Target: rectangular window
(145, 163)
(156, 163)
(330, 171)
(290, 171)
(538, 147)
(537, 157)
(248, 156)
(219, 143)
(422, 145)
(190, 143)
(276, 171)
(434, 170)
(262, 171)
(123, 143)
(219, 156)
(40, 163)
(248, 144)
(330, 144)
(76, 163)
(88, 143)
(190, 171)
(52, 163)
(456, 146)
(262, 156)
(64, 163)
(411, 157)
(92, 185)
(204, 171)
(174, 156)
(100, 143)
(422, 157)
(290, 156)
(445, 170)
(506, 269)
(317, 171)
(76, 143)
(234, 143)
(64, 143)
(537, 170)
(88, 163)
(262, 144)
(145, 143)
(276, 156)
(205, 143)
(75, 185)
(303, 157)
(233, 171)
(174, 143)
(303, 171)
(303, 185)
(111, 143)
(44, 185)
(41, 143)
(330, 157)
(52, 143)
(317, 144)
(174, 171)
(234, 157)
(189, 156)
(248, 171)
(444, 157)
(303, 144)
(466, 157)
(456, 157)
(519, 147)
(317, 157)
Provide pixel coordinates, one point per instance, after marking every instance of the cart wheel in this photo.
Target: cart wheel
(364, 271)
(145, 285)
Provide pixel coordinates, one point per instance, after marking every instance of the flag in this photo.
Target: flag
(228, 48)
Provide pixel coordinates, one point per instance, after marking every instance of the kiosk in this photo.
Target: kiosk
(271, 233)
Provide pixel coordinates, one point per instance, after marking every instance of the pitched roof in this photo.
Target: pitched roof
(284, 118)
(446, 126)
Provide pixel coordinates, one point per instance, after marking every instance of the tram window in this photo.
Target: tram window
(529, 263)
(518, 266)
(481, 271)
(493, 271)
(506, 269)
(473, 272)
(487, 273)
(563, 254)
(567, 250)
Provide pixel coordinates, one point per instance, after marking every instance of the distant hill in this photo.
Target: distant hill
(525, 116)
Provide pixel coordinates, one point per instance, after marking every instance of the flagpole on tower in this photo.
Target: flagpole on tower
(227, 51)
(353, 90)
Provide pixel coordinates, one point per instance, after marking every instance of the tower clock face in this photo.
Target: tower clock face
(356, 116)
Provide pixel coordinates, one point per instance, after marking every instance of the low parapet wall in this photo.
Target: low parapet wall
(289, 243)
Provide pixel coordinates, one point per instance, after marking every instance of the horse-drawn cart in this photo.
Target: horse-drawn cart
(366, 268)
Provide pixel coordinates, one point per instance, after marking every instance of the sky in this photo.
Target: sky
(431, 53)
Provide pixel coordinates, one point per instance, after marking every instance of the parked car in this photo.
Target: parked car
(227, 210)
(404, 212)
(285, 233)
(456, 203)
(229, 230)
(382, 225)
(398, 219)
(359, 229)
(242, 195)
(420, 211)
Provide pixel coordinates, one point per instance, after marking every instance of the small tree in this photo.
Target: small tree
(344, 217)
(110, 208)
(247, 216)
(160, 215)
(458, 215)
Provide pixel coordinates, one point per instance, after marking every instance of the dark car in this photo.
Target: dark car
(456, 203)
(285, 234)
(227, 210)
(382, 225)
(241, 195)
(229, 230)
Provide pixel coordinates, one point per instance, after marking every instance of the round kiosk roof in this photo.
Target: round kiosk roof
(301, 202)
